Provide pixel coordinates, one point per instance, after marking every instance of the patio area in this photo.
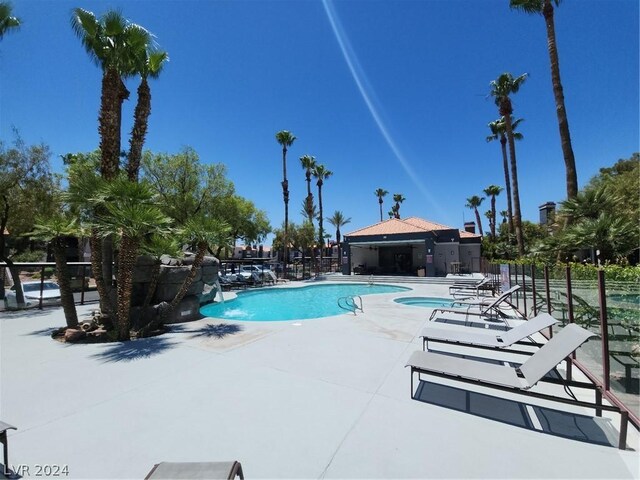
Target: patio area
(323, 398)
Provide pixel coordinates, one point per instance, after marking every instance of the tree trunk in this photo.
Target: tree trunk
(507, 182)
(478, 220)
(493, 217)
(563, 123)
(517, 219)
(139, 131)
(113, 94)
(66, 295)
(285, 195)
(380, 202)
(320, 229)
(126, 262)
(95, 242)
(15, 274)
(197, 262)
(153, 284)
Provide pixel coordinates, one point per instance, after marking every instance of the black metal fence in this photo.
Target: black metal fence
(38, 274)
(607, 307)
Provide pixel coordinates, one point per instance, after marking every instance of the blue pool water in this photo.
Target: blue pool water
(428, 302)
(276, 304)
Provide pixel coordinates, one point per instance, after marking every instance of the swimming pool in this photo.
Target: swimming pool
(428, 302)
(301, 303)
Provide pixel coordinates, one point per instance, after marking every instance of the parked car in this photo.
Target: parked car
(50, 294)
(247, 270)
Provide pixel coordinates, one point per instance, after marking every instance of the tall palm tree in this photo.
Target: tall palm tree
(148, 64)
(380, 193)
(501, 89)
(504, 214)
(398, 198)
(320, 173)
(473, 203)
(308, 162)
(545, 7)
(493, 191)
(112, 42)
(498, 132)
(338, 220)
(7, 21)
(285, 138)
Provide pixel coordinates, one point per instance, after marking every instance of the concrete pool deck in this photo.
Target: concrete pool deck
(324, 398)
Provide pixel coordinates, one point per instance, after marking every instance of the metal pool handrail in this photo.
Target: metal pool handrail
(350, 304)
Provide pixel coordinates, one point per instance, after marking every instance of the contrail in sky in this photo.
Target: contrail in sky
(359, 77)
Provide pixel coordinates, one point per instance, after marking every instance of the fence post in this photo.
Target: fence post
(571, 319)
(41, 287)
(84, 276)
(569, 295)
(524, 290)
(604, 330)
(548, 295)
(533, 289)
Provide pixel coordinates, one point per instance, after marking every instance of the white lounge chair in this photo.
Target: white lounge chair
(194, 470)
(490, 308)
(519, 380)
(471, 337)
(463, 290)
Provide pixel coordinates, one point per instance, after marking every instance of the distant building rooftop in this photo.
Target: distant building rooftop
(406, 225)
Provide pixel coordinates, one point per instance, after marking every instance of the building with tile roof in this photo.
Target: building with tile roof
(411, 246)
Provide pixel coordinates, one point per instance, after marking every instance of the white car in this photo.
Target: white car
(50, 294)
(247, 270)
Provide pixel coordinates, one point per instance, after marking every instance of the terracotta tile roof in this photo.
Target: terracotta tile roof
(405, 225)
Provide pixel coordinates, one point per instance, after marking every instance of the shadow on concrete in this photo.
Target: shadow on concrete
(221, 330)
(134, 350)
(28, 313)
(553, 422)
(45, 332)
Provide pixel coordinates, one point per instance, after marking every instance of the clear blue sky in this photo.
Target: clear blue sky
(389, 94)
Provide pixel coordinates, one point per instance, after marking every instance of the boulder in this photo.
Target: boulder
(72, 335)
(186, 311)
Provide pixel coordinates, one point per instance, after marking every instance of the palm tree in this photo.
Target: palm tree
(131, 215)
(149, 64)
(473, 203)
(501, 88)
(545, 7)
(338, 220)
(7, 21)
(504, 214)
(493, 191)
(380, 193)
(112, 42)
(55, 229)
(308, 162)
(498, 130)
(321, 173)
(398, 198)
(285, 138)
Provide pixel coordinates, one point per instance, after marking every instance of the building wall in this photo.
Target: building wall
(445, 253)
(470, 256)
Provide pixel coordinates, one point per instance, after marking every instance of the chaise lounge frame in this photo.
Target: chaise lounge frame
(419, 363)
